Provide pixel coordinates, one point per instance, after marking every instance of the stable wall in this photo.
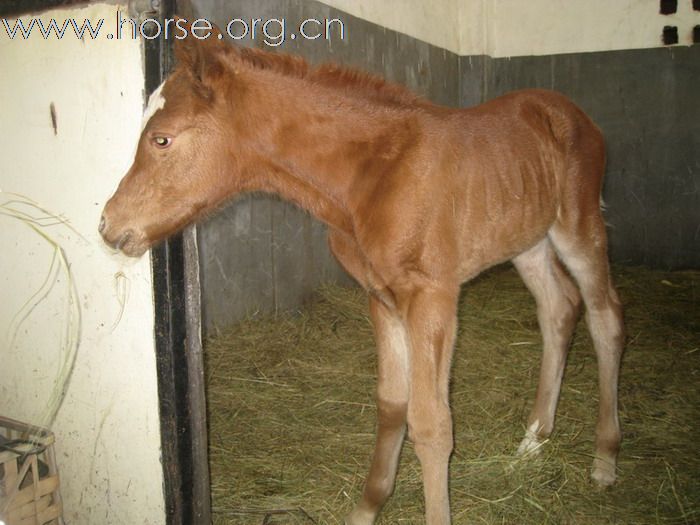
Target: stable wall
(504, 28)
(107, 429)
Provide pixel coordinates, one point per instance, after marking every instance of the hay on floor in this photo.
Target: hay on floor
(291, 413)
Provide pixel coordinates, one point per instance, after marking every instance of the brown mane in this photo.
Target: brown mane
(351, 80)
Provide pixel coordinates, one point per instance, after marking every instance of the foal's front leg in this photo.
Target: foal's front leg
(392, 403)
(431, 320)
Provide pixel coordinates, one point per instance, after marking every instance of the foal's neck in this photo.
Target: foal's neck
(314, 143)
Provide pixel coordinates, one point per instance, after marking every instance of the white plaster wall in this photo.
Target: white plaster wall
(432, 21)
(107, 430)
(501, 28)
(544, 27)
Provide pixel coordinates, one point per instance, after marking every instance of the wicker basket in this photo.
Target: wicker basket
(29, 486)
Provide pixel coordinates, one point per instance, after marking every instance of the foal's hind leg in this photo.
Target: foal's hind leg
(558, 302)
(583, 248)
(392, 405)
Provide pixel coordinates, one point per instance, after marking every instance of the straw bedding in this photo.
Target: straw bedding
(291, 413)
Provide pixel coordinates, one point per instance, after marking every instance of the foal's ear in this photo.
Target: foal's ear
(202, 57)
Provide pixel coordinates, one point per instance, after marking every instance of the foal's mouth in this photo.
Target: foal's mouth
(128, 241)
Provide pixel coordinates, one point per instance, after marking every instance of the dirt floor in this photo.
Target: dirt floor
(291, 414)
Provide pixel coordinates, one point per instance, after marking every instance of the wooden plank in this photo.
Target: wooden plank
(195, 377)
(44, 487)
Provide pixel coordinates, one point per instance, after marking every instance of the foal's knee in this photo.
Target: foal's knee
(431, 433)
(391, 415)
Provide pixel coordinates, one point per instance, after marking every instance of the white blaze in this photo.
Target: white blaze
(155, 102)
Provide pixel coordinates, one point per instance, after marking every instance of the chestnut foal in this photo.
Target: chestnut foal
(417, 198)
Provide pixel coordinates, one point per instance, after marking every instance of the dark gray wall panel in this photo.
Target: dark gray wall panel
(260, 254)
(473, 75)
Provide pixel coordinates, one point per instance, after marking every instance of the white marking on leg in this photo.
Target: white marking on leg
(155, 102)
(530, 443)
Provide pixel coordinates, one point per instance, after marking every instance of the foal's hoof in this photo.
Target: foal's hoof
(603, 474)
(530, 445)
(359, 516)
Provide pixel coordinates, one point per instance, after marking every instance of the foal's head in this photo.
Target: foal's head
(182, 167)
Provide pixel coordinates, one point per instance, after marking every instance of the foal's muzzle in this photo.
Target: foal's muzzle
(126, 241)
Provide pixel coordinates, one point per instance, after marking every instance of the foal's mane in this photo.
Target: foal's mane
(331, 75)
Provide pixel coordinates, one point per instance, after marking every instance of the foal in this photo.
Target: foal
(418, 199)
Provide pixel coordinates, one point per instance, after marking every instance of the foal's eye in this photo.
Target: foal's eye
(162, 142)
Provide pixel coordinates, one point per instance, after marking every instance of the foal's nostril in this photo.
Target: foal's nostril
(102, 225)
(124, 239)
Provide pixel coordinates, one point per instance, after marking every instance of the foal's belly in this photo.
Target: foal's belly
(492, 242)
